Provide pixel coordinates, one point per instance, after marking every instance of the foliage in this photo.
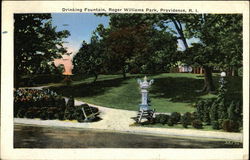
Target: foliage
(194, 115)
(230, 126)
(170, 122)
(207, 106)
(175, 117)
(203, 110)
(45, 104)
(200, 109)
(222, 109)
(37, 98)
(221, 114)
(215, 125)
(90, 58)
(134, 44)
(71, 102)
(197, 124)
(36, 43)
(161, 118)
(186, 119)
(214, 112)
(215, 47)
(235, 113)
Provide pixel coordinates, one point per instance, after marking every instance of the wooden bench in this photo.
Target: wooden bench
(89, 113)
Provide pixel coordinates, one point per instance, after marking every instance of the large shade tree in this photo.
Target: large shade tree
(134, 41)
(220, 41)
(36, 42)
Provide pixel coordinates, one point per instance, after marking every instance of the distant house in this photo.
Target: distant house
(185, 68)
(66, 61)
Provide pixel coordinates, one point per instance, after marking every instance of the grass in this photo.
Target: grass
(171, 92)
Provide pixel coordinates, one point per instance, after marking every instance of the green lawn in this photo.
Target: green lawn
(170, 91)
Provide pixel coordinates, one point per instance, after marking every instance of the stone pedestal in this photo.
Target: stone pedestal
(144, 93)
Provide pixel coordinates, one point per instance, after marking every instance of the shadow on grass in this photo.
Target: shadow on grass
(89, 89)
(177, 89)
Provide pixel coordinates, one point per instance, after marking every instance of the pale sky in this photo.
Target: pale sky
(80, 26)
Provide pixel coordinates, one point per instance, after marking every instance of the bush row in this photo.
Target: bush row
(46, 104)
(176, 118)
(221, 114)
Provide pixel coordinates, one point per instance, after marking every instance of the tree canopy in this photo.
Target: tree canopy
(90, 57)
(135, 44)
(36, 42)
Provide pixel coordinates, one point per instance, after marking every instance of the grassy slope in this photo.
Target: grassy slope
(170, 91)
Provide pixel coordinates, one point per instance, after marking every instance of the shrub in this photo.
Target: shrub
(222, 110)
(214, 112)
(175, 117)
(21, 113)
(220, 121)
(46, 104)
(197, 124)
(234, 112)
(194, 116)
(71, 102)
(186, 119)
(206, 115)
(161, 118)
(203, 110)
(25, 98)
(230, 126)
(215, 125)
(170, 122)
(69, 112)
(200, 109)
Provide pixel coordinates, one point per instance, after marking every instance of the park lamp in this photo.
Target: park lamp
(222, 80)
(223, 74)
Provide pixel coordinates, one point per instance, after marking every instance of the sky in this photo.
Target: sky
(81, 26)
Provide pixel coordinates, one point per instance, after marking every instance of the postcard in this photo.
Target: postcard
(125, 80)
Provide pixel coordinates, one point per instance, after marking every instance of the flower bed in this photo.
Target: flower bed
(45, 104)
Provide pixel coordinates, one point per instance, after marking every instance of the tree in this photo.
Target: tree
(90, 57)
(133, 41)
(217, 46)
(35, 42)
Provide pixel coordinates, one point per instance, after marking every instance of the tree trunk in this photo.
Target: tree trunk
(229, 71)
(123, 72)
(235, 71)
(179, 29)
(208, 80)
(96, 76)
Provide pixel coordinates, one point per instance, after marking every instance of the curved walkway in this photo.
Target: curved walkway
(121, 120)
